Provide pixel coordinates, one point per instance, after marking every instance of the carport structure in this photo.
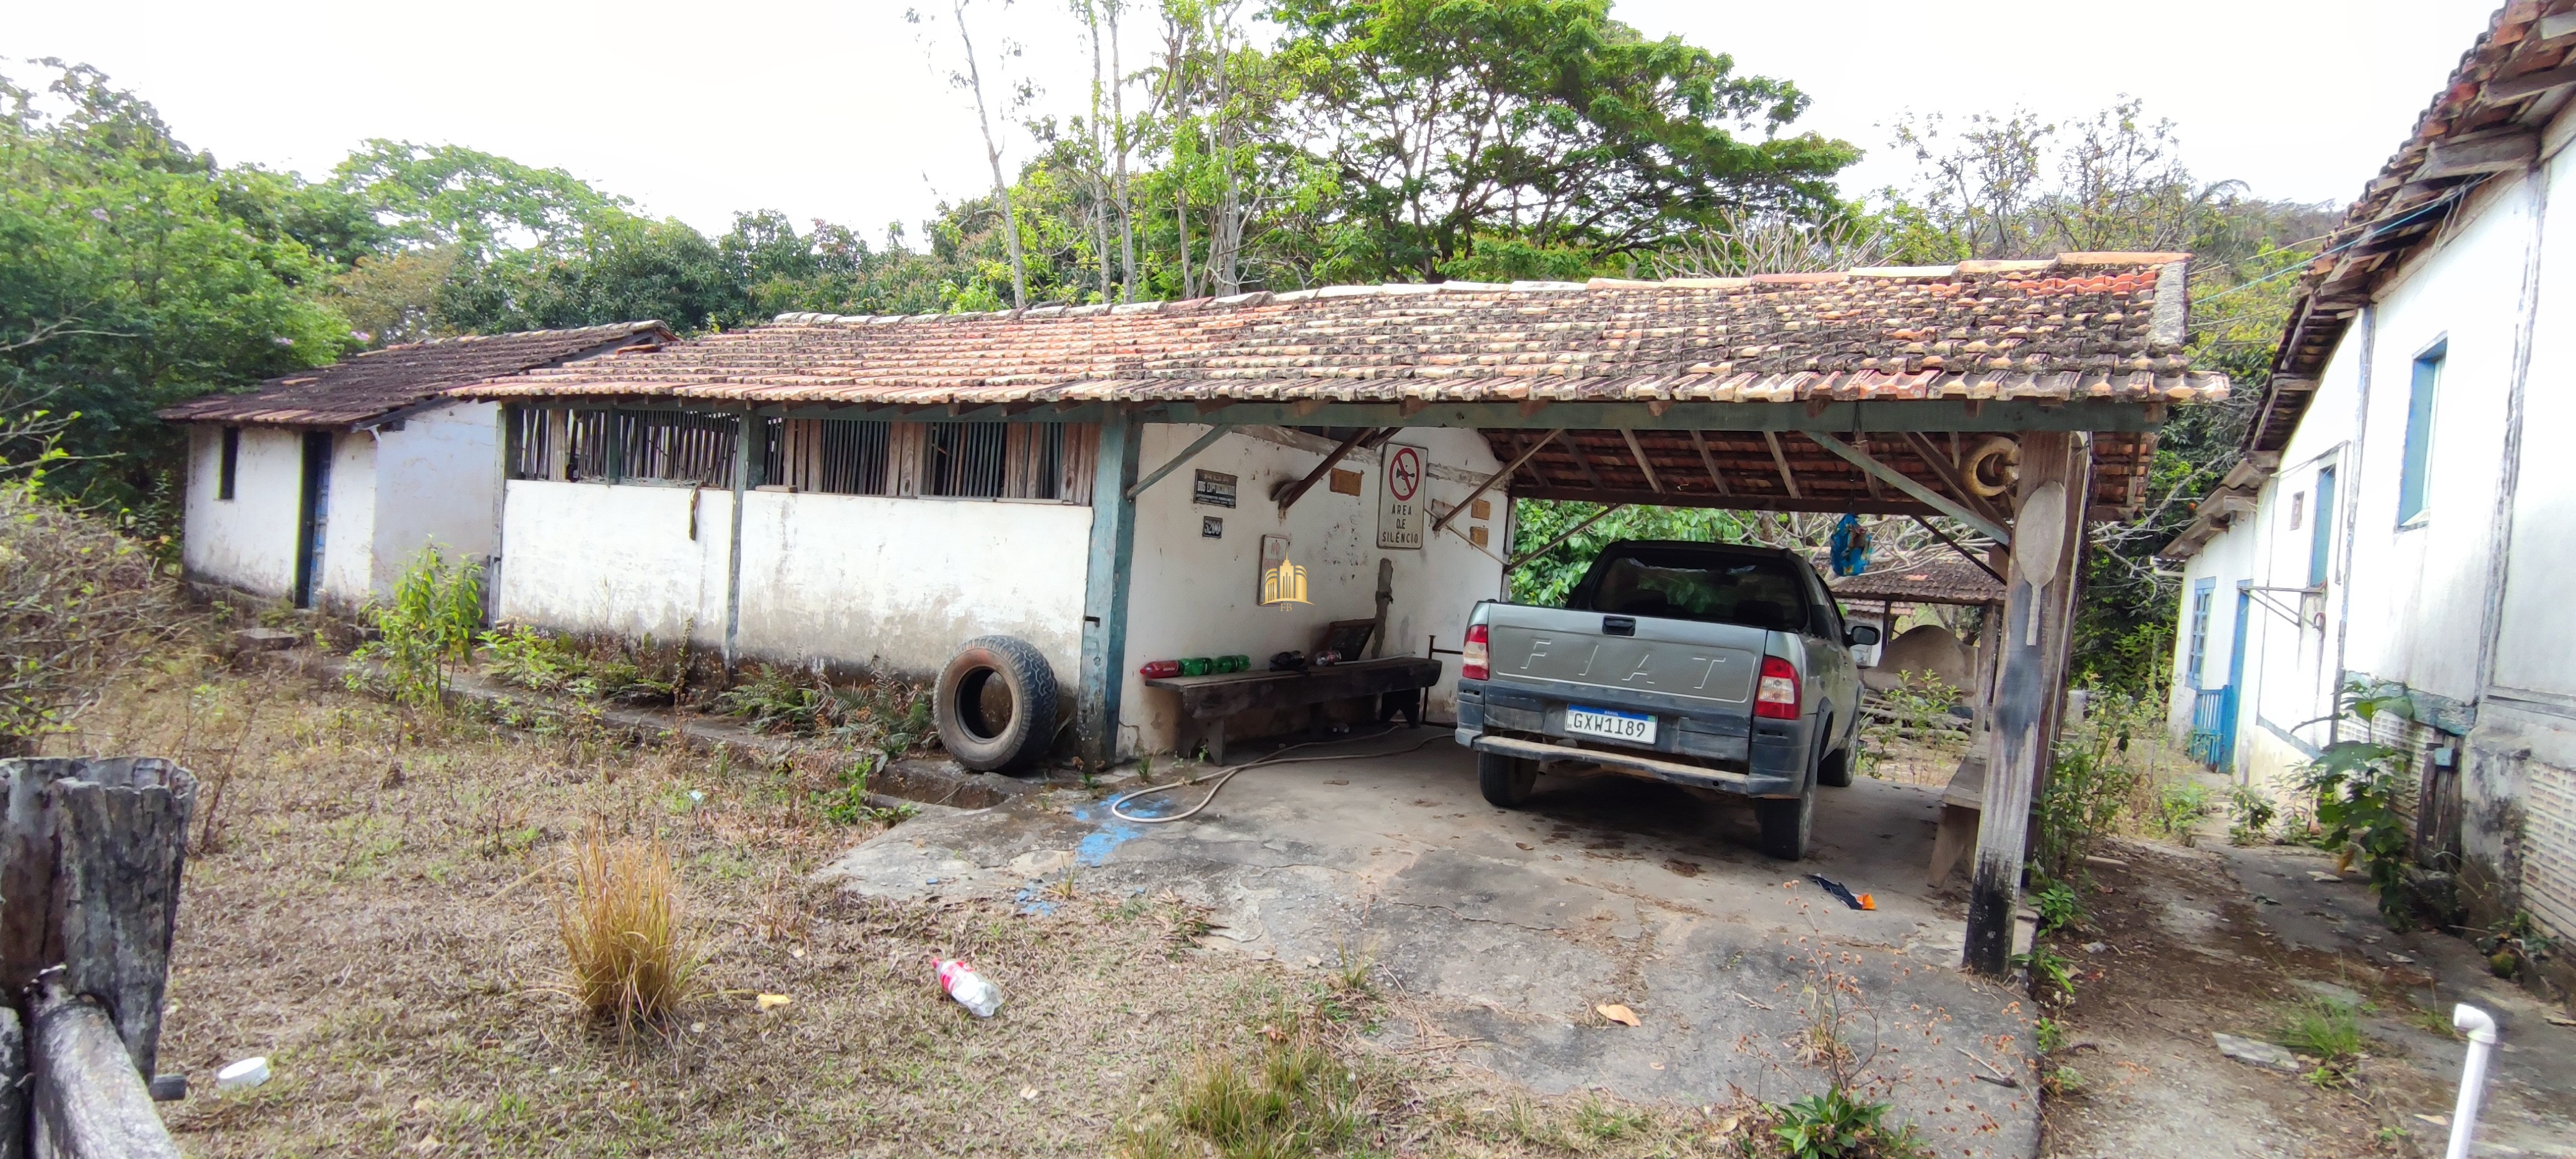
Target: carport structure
(1859, 391)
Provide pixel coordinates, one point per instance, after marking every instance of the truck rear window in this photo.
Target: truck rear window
(1692, 585)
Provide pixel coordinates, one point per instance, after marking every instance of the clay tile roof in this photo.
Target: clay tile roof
(380, 382)
(2485, 121)
(2081, 326)
(1936, 581)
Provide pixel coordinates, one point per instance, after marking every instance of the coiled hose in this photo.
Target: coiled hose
(1221, 776)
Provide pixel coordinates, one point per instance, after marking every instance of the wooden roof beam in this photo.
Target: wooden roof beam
(1492, 479)
(1916, 491)
(2492, 151)
(1638, 450)
(1782, 461)
(1709, 461)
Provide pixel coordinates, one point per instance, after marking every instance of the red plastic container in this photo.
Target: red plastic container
(1158, 669)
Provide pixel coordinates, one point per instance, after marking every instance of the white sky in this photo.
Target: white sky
(829, 110)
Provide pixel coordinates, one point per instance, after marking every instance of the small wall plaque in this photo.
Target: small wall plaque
(1211, 527)
(1213, 489)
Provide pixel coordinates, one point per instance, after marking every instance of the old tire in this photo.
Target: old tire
(1507, 781)
(1836, 772)
(1786, 823)
(995, 704)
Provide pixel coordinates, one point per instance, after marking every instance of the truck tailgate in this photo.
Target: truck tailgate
(1696, 678)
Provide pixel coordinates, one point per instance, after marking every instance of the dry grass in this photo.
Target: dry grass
(632, 961)
(374, 921)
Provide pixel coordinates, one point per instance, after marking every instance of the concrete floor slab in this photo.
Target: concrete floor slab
(1510, 926)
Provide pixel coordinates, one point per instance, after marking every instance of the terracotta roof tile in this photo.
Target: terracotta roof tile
(380, 382)
(2098, 326)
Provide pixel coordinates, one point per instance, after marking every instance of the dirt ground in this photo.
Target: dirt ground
(371, 909)
(2178, 944)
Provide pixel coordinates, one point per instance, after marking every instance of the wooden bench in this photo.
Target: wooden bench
(1206, 701)
(1961, 806)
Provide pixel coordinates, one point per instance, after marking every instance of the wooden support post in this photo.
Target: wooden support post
(89, 1102)
(742, 464)
(2032, 645)
(1104, 591)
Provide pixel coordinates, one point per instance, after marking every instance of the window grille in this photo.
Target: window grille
(965, 460)
(831, 456)
(616, 446)
(676, 446)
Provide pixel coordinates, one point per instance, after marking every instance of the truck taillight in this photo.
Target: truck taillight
(1777, 697)
(1471, 659)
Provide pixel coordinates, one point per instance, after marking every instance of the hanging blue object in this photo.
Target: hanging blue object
(1850, 546)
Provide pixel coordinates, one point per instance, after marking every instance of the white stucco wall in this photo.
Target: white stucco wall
(1194, 596)
(901, 583)
(2225, 559)
(247, 542)
(346, 577)
(2465, 604)
(848, 579)
(434, 481)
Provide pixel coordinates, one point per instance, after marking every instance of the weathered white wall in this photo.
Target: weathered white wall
(848, 579)
(434, 483)
(900, 583)
(346, 577)
(2442, 604)
(589, 557)
(2225, 559)
(1194, 596)
(247, 542)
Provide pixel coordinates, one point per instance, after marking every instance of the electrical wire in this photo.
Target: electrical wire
(1221, 776)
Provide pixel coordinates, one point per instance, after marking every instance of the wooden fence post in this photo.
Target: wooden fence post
(91, 852)
(2033, 645)
(90, 1103)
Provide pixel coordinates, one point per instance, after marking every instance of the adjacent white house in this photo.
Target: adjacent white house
(320, 487)
(2401, 518)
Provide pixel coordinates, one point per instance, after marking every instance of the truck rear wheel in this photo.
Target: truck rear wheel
(1786, 823)
(1506, 781)
(1836, 772)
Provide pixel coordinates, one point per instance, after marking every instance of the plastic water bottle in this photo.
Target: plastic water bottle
(969, 988)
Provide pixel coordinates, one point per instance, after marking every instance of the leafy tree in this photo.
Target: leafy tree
(134, 273)
(2017, 185)
(436, 195)
(1449, 122)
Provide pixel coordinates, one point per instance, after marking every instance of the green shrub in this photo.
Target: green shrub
(2250, 814)
(1836, 1125)
(2357, 786)
(2059, 906)
(428, 629)
(2179, 807)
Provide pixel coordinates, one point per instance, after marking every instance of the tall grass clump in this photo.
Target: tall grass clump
(632, 963)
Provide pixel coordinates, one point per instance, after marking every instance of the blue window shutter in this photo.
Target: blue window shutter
(2415, 478)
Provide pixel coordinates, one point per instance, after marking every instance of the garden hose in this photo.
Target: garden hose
(1221, 776)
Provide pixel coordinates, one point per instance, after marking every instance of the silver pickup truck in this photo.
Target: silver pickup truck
(1704, 664)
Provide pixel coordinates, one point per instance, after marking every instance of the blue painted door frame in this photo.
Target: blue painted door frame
(1106, 580)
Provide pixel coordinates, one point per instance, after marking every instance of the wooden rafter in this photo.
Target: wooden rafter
(1634, 448)
(1787, 479)
(1709, 461)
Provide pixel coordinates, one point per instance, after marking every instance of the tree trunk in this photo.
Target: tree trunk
(1118, 114)
(993, 155)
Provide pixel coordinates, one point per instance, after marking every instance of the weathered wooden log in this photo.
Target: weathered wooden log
(90, 1102)
(13, 1085)
(91, 852)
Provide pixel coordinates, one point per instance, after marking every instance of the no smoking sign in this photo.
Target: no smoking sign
(1401, 512)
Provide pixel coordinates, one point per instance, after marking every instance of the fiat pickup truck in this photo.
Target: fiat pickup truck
(1709, 665)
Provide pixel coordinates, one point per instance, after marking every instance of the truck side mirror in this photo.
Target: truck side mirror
(1861, 636)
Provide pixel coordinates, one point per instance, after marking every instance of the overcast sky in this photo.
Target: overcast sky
(830, 110)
